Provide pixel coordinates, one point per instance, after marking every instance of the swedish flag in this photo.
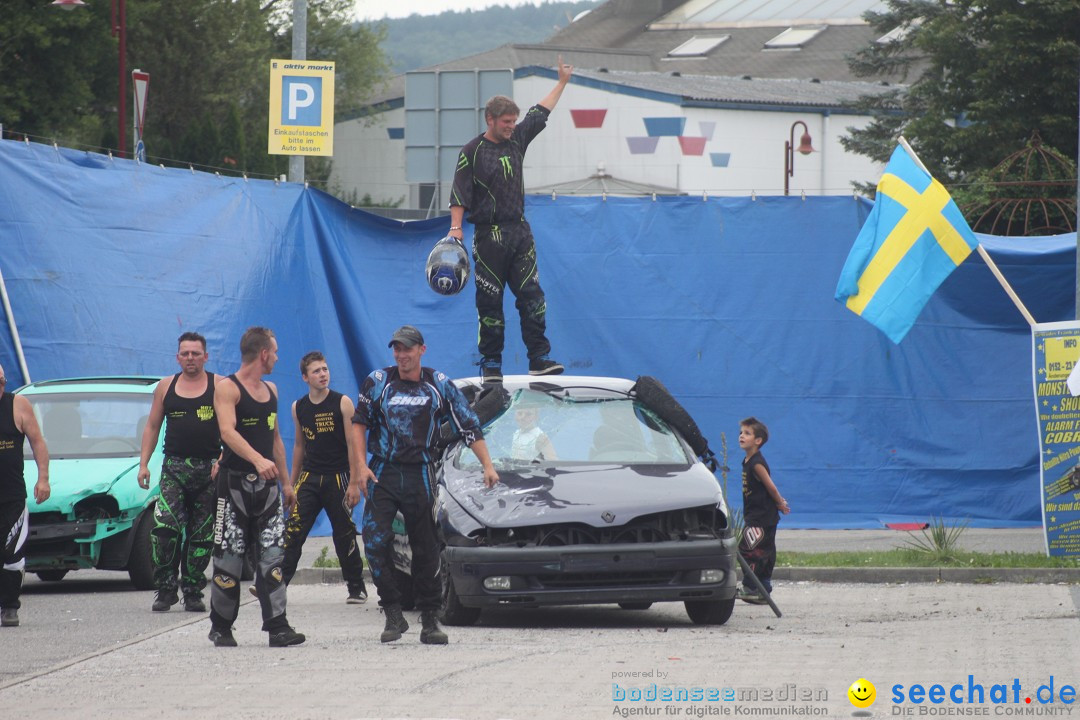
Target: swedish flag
(914, 237)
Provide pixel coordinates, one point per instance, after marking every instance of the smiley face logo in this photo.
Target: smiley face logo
(862, 693)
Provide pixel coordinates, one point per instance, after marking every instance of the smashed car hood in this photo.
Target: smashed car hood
(72, 479)
(581, 493)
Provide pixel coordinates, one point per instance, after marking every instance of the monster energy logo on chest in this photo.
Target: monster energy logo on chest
(508, 169)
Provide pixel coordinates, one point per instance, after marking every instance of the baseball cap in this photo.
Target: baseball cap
(407, 335)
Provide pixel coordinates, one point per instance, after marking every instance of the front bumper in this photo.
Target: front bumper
(76, 544)
(591, 574)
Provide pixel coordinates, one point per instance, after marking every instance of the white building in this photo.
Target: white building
(647, 107)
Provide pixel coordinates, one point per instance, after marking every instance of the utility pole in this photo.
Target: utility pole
(299, 52)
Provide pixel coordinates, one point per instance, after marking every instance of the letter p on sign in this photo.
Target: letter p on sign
(302, 97)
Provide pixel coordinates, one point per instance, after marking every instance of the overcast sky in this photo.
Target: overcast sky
(379, 9)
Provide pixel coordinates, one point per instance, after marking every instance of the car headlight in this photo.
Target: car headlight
(711, 576)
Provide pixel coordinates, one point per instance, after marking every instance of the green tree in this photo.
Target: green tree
(56, 70)
(984, 75)
(233, 145)
(209, 65)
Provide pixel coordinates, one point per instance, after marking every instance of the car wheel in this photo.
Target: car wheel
(453, 612)
(635, 605)
(404, 583)
(51, 575)
(709, 612)
(140, 565)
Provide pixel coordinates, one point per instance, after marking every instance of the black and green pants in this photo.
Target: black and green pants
(505, 256)
(183, 534)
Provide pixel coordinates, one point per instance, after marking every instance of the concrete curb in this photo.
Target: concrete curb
(929, 575)
(332, 576)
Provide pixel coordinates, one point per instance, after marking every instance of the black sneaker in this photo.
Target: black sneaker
(544, 365)
(164, 600)
(357, 597)
(750, 596)
(9, 617)
(491, 371)
(194, 604)
(222, 638)
(286, 637)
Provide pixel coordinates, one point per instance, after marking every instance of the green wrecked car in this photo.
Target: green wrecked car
(97, 516)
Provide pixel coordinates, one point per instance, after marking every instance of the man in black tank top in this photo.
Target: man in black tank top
(17, 422)
(324, 459)
(249, 500)
(183, 534)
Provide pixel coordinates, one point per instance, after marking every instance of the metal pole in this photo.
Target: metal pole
(299, 52)
(14, 330)
(788, 160)
(120, 27)
(1076, 225)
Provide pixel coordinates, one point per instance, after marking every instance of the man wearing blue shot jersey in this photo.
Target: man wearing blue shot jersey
(398, 414)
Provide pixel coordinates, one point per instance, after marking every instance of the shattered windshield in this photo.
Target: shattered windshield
(538, 428)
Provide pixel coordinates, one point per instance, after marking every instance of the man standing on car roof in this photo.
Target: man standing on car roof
(17, 423)
(183, 531)
(324, 475)
(401, 408)
(489, 185)
(249, 500)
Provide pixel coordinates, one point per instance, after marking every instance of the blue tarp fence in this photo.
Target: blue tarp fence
(728, 301)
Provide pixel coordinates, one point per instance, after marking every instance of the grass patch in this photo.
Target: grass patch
(902, 557)
(325, 561)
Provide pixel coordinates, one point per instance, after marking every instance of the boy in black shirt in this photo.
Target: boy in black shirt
(324, 460)
(762, 505)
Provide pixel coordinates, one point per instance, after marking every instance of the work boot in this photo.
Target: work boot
(194, 604)
(9, 617)
(286, 637)
(395, 624)
(432, 634)
(222, 638)
(164, 600)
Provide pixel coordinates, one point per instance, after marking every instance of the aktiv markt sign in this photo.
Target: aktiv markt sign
(301, 107)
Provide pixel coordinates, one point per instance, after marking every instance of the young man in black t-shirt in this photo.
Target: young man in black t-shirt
(324, 475)
(489, 185)
(762, 505)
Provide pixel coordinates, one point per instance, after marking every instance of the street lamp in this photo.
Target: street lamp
(805, 148)
(119, 28)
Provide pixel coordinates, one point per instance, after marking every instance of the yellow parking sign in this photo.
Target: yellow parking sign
(301, 107)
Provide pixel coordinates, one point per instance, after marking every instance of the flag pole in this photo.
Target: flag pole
(982, 251)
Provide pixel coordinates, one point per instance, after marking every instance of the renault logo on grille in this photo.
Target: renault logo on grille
(608, 517)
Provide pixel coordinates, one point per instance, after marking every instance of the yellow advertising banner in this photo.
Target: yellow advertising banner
(301, 107)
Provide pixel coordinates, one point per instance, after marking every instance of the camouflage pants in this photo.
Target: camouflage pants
(183, 536)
